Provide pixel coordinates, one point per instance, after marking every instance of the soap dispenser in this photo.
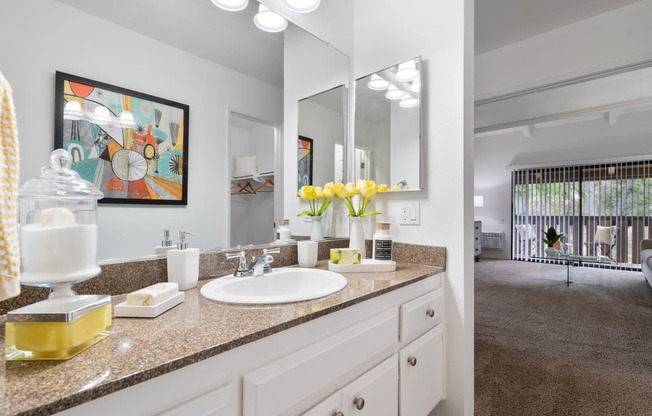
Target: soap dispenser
(166, 244)
(183, 264)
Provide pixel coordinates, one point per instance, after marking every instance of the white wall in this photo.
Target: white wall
(615, 38)
(38, 42)
(442, 33)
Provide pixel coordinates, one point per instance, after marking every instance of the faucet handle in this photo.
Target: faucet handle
(276, 250)
(238, 255)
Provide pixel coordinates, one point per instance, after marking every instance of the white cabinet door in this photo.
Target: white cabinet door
(374, 393)
(218, 402)
(421, 364)
(329, 407)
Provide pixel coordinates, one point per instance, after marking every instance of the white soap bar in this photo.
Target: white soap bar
(152, 295)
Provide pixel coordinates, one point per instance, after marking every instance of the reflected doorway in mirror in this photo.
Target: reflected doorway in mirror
(305, 156)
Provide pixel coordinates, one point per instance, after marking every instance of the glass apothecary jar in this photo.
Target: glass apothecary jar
(58, 227)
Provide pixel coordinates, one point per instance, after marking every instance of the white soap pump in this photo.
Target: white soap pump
(183, 264)
(166, 243)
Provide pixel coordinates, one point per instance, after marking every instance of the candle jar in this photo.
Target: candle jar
(58, 227)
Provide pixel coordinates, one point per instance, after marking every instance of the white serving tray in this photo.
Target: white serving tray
(152, 311)
(367, 265)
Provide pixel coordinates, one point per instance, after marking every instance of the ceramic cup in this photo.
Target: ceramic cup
(307, 253)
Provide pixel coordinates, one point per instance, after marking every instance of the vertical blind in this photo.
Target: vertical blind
(601, 210)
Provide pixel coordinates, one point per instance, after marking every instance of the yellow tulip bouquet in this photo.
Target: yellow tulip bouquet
(319, 199)
(365, 188)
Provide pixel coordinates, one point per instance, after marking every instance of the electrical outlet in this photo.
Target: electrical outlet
(410, 214)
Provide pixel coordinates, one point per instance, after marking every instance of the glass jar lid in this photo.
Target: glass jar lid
(59, 181)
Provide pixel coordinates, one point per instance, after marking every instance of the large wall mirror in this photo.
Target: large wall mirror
(217, 62)
(388, 126)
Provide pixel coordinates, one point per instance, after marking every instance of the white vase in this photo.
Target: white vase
(551, 251)
(356, 239)
(316, 229)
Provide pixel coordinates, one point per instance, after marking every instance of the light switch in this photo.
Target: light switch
(410, 214)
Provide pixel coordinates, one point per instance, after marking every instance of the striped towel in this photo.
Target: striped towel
(9, 252)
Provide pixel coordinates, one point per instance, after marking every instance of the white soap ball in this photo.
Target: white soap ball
(57, 217)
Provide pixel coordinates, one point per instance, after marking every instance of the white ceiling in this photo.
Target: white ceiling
(198, 27)
(502, 22)
(231, 39)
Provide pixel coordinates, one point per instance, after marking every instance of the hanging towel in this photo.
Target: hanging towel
(9, 252)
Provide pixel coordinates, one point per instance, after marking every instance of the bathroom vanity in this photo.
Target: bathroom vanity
(373, 348)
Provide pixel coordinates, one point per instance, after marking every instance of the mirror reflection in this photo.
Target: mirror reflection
(388, 126)
(212, 60)
(321, 137)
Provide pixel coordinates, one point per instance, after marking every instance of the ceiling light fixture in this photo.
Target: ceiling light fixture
(415, 85)
(394, 93)
(269, 21)
(378, 83)
(231, 5)
(302, 6)
(72, 111)
(408, 101)
(407, 71)
(101, 115)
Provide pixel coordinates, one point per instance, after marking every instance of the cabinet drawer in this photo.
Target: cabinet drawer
(421, 366)
(374, 393)
(421, 314)
(292, 384)
(219, 402)
(328, 407)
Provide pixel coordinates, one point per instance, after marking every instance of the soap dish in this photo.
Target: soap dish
(137, 311)
(366, 265)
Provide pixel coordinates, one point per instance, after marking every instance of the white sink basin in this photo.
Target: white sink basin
(279, 286)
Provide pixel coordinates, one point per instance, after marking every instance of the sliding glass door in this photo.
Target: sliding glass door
(602, 210)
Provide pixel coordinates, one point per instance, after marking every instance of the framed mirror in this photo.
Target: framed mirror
(216, 62)
(322, 132)
(388, 126)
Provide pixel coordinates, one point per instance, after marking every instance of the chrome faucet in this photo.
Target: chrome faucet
(258, 265)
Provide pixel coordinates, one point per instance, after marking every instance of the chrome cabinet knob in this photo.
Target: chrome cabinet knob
(338, 414)
(359, 403)
(430, 312)
(412, 361)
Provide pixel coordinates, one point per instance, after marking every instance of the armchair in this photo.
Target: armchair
(528, 238)
(604, 242)
(646, 260)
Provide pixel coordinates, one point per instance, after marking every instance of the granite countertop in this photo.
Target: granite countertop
(140, 349)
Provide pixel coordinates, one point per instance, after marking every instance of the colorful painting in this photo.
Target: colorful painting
(304, 161)
(131, 146)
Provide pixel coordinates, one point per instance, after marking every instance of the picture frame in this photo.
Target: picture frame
(305, 164)
(132, 146)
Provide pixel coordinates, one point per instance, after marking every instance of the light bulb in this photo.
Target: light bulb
(408, 101)
(72, 111)
(231, 5)
(101, 115)
(302, 6)
(269, 21)
(378, 83)
(394, 93)
(407, 71)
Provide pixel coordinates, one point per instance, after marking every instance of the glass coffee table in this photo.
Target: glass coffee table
(572, 259)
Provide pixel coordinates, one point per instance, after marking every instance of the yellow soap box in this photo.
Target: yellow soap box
(58, 328)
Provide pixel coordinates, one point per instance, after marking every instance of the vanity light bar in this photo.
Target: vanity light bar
(378, 83)
(231, 5)
(269, 21)
(302, 6)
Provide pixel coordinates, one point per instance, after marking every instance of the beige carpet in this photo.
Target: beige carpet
(544, 349)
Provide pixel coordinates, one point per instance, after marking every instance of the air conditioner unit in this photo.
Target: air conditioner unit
(492, 241)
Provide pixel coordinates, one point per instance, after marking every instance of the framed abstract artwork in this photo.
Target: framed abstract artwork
(304, 161)
(131, 146)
